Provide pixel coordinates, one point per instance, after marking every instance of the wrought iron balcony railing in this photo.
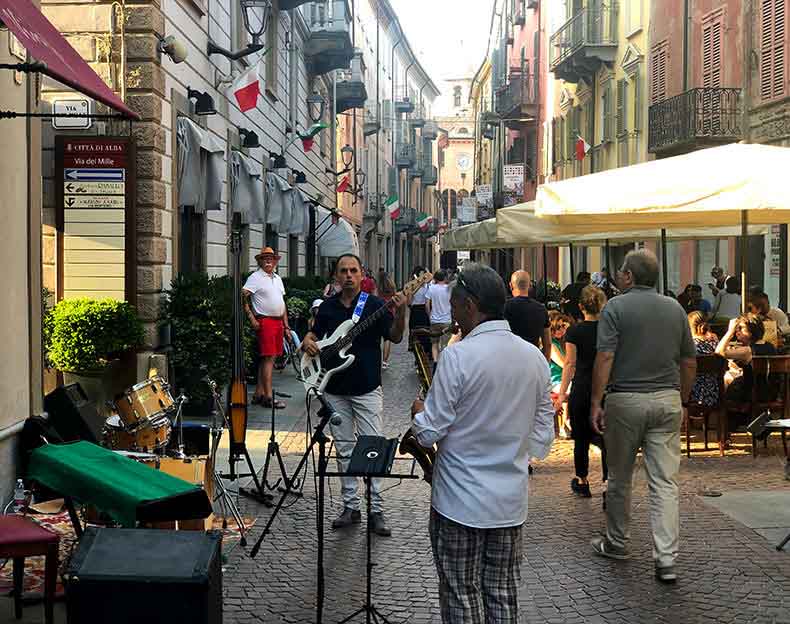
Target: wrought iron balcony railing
(405, 155)
(520, 91)
(699, 117)
(588, 27)
(430, 130)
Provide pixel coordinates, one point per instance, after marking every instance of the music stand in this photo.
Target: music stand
(379, 467)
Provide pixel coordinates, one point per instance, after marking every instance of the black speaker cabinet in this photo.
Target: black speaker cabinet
(197, 439)
(72, 415)
(129, 576)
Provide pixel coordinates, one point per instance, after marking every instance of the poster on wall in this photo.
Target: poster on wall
(485, 201)
(512, 184)
(776, 250)
(468, 212)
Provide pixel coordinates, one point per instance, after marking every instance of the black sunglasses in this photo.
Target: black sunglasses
(463, 284)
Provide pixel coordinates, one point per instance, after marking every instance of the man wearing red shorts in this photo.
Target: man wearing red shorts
(264, 304)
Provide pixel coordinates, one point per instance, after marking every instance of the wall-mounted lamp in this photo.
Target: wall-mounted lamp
(252, 12)
(316, 106)
(173, 47)
(279, 161)
(299, 177)
(204, 103)
(347, 154)
(249, 138)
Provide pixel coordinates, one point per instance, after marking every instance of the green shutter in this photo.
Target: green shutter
(622, 95)
(637, 86)
(607, 112)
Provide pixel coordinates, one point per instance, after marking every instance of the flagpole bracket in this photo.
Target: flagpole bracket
(221, 79)
(252, 48)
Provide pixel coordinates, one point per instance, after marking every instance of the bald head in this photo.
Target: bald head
(520, 282)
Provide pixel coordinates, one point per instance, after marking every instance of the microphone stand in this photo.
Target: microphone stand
(326, 415)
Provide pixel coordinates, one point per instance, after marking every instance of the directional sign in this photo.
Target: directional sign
(94, 201)
(95, 188)
(94, 175)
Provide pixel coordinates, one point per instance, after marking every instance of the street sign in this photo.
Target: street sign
(94, 201)
(94, 175)
(95, 188)
(72, 106)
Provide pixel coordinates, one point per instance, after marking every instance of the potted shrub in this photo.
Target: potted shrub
(92, 342)
(199, 310)
(298, 313)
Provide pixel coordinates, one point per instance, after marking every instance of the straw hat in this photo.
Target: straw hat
(268, 251)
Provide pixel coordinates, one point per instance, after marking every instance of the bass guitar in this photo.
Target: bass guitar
(333, 356)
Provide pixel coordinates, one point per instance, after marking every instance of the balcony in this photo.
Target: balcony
(430, 176)
(351, 92)
(701, 117)
(407, 219)
(328, 46)
(418, 117)
(405, 155)
(430, 130)
(518, 100)
(583, 43)
(520, 16)
(415, 171)
(404, 105)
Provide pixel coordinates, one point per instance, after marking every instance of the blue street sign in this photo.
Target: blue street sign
(94, 175)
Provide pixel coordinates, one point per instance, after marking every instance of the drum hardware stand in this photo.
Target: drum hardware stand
(223, 496)
(178, 421)
(273, 450)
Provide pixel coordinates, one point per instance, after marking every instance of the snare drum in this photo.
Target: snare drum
(147, 400)
(149, 436)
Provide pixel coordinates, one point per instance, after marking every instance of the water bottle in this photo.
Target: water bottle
(19, 497)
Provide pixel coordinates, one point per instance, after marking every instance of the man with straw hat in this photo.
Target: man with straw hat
(264, 303)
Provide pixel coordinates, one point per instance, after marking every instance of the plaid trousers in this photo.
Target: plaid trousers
(479, 571)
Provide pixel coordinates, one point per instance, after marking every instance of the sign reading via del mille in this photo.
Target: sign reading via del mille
(95, 188)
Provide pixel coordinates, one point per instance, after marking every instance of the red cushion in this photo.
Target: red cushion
(19, 530)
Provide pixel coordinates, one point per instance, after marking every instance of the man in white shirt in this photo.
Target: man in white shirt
(264, 303)
(487, 421)
(437, 306)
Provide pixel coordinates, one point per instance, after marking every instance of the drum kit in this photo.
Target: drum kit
(141, 419)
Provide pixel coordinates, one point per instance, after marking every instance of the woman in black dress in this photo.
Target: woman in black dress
(580, 351)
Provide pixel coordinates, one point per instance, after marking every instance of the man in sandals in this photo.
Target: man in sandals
(646, 362)
(264, 304)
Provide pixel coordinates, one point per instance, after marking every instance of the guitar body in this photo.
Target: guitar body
(317, 371)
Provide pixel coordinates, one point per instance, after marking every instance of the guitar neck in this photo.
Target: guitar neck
(361, 327)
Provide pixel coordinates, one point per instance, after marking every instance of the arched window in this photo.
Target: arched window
(457, 97)
(463, 131)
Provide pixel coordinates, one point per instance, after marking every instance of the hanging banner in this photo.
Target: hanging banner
(468, 211)
(512, 184)
(485, 201)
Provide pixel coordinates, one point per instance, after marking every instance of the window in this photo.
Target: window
(772, 49)
(622, 107)
(273, 47)
(712, 26)
(659, 59)
(633, 17)
(606, 113)
(457, 97)
(463, 131)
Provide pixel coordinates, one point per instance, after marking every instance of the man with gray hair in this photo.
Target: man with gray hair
(646, 362)
(487, 421)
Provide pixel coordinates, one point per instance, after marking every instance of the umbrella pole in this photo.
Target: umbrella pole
(664, 272)
(744, 252)
(608, 252)
(573, 272)
(545, 278)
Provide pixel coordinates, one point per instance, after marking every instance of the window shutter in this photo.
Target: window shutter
(711, 50)
(658, 73)
(772, 48)
(637, 86)
(607, 112)
(570, 135)
(622, 120)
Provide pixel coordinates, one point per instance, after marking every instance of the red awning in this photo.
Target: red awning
(63, 63)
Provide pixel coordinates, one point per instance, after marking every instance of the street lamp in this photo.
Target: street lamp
(249, 138)
(256, 15)
(347, 154)
(316, 106)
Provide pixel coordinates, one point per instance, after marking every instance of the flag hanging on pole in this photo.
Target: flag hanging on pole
(393, 206)
(307, 144)
(344, 184)
(246, 89)
(582, 147)
(423, 220)
(308, 138)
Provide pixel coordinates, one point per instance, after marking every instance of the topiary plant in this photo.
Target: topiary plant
(85, 335)
(297, 307)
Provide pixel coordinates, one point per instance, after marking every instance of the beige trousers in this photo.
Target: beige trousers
(650, 421)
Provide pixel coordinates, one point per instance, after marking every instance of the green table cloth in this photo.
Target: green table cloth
(116, 484)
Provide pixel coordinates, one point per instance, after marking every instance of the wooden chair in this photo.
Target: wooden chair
(764, 366)
(20, 538)
(714, 366)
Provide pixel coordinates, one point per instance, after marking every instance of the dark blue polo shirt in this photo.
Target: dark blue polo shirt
(364, 375)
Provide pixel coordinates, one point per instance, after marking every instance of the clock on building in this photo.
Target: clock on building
(464, 162)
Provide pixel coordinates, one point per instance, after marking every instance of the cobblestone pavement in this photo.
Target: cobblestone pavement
(728, 573)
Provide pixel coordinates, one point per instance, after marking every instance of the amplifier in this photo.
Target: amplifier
(72, 415)
(197, 439)
(128, 576)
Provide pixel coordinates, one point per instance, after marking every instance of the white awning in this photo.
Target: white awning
(334, 240)
(246, 188)
(200, 166)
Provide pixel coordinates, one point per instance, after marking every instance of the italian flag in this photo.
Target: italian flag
(423, 220)
(246, 89)
(582, 147)
(393, 206)
(344, 184)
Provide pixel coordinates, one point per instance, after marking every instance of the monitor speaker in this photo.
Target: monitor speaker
(129, 576)
(72, 415)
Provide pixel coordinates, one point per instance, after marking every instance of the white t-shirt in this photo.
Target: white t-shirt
(439, 296)
(419, 296)
(267, 293)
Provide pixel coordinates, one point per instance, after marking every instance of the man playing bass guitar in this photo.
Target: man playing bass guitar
(355, 392)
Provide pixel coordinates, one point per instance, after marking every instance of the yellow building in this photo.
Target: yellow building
(597, 54)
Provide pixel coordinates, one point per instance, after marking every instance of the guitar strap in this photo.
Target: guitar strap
(363, 299)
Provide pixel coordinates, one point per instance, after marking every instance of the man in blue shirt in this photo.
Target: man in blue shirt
(356, 391)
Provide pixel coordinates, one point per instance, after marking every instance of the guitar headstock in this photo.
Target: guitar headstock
(418, 282)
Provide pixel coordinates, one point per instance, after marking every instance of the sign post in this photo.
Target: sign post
(95, 217)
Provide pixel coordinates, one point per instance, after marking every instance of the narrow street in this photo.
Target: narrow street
(728, 572)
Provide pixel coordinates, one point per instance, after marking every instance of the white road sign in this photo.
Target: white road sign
(94, 201)
(94, 188)
(72, 106)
